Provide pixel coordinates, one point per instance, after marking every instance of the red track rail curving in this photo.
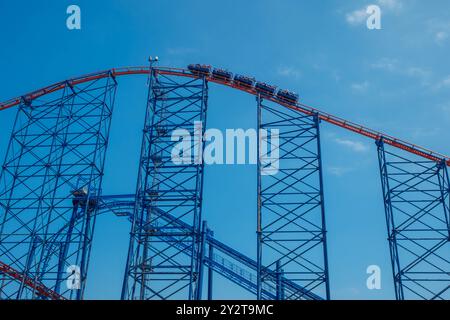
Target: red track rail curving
(39, 288)
(367, 132)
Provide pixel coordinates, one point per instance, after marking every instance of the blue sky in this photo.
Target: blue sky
(396, 80)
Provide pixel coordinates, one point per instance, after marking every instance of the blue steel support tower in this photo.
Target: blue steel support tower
(157, 268)
(52, 172)
(417, 205)
(291, 216)
(221, 258)
(51, 180)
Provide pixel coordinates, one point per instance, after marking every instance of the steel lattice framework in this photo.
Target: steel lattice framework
(50, 196)
(291, 212)
(215, 255)
(157, 267)
(416, 199)
(57, 151)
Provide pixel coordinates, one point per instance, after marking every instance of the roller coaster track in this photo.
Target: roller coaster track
(220, 264)
(305, 109)
(268, 281)
(39, 289)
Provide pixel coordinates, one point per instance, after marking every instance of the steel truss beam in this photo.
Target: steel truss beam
(158, 269)
(222, 259)
(291, 229)
(417, 204)
(57, 150)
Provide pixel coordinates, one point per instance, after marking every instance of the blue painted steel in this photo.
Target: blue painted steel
(210, 270)
(57, 149)
(226, 261)
(259, 242)
(50, 194)
(417, 205)
(201, 258)
(174, 104)
(291, 214)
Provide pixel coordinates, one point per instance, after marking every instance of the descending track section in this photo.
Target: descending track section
(291, 230)
(416, 194)
(334, 120)
(9, 274)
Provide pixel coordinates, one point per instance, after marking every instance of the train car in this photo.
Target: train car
(222, 74)
(244, 81)
(287, 96)
(80, 199)
(265, 88)
(200, 69)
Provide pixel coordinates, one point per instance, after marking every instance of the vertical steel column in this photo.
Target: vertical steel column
(279, 273)
(53, 168)
(259, 242)
(201, 259)
(291, 214)
(210, 269)
(322, 210)
(416, 200)
(156, 267)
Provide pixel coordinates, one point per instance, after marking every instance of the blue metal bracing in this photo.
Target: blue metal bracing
(51, 182)
(417, 206)
(222, 259)
(158, 269)
(52, 171)
(290, 212)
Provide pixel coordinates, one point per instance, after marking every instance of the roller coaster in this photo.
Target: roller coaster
(51, 194)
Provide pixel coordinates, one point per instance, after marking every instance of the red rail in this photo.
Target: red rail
(367, 132)
(37, 287)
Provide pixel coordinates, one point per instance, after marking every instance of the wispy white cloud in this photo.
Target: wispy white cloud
(394, 66)
(439, 30)
(355, 146)
(356, 17)
(360, 87)
(392, 5)
(443, 83)
(441, 37)
(290, 72)
(387, 64)
(417, 72)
